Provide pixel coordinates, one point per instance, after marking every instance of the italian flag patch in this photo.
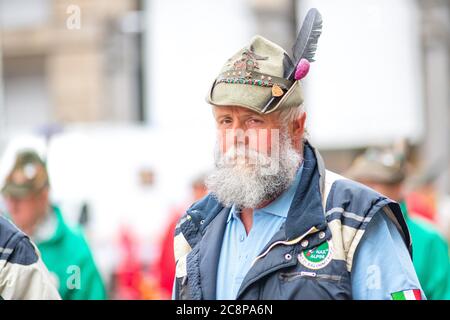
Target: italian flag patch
(413, 294)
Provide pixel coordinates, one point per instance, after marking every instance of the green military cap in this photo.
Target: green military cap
(28, 175)
(378, 165)
(253, 75)
(262, 77)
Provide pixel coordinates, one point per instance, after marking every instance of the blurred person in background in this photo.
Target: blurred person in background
(426, 202)
(129, 279)
(166, 262)
(384, 170)
(23, 275)
(276, 224)
(64, 249)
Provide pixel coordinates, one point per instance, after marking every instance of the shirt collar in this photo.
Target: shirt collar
(280, 206)
(234, 212)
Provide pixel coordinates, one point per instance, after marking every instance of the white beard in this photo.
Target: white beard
(250, 185)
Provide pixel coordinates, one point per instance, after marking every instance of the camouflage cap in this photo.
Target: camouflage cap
(378, 165)
(253, 75)
(28, 175)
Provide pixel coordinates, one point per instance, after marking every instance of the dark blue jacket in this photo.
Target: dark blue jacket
(323, 205)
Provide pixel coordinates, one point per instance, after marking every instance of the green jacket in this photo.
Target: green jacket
(67, 255)
(430, 257)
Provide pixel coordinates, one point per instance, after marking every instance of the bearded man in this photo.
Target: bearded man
(276, 224)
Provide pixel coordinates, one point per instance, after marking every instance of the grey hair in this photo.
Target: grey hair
(289, 115)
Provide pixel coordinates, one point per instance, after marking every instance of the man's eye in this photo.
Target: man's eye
(254, 121)
(225, 121)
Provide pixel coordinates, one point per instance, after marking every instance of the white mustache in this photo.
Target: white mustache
(241, 154)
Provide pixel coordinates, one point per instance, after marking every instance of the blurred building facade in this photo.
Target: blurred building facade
(435, 148)
(69, 61)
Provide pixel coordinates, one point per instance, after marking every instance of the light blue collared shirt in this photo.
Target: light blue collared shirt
(381, 264)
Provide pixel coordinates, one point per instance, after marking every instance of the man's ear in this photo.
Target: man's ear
(298, 128)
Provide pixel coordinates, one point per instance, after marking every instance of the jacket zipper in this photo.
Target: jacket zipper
(309, 275)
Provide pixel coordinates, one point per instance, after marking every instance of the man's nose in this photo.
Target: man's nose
(238, 134)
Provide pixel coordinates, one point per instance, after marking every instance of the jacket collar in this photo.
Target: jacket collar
(306, 209)
(209, 254)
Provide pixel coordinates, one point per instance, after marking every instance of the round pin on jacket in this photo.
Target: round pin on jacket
(318, 257)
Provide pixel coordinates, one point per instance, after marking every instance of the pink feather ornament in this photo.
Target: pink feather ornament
(302, 69)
